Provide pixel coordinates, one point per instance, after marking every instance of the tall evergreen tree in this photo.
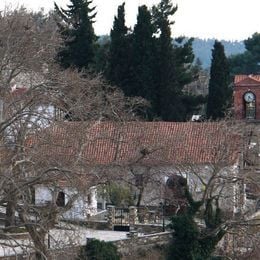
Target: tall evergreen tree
(146, 63)
(76, 27)
(249, 61)
(165, 84)
(219, 91)
(143, 43)
(174, 65)
(120, 57)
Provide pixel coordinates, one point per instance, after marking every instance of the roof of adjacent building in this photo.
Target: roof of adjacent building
(246, 80)
(102, 143)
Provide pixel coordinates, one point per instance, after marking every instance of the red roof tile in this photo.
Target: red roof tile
(247, 80)
(138, 142)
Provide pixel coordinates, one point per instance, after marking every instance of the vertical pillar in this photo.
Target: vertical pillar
(132, 216)
(111, 216)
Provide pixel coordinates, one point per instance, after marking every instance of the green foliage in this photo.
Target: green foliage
(174, 65)
(253, 45)
(185, 237)
(98, 250)
(102, 54)
(191, 242)
(247, 62)
(146, 63)
(165, 83)
(192, 104)
(219, 97)
(243, 64)
(120, 54)
(76, 28)
(118, 195)
(143, 48)
(162, 12)
(143, 59)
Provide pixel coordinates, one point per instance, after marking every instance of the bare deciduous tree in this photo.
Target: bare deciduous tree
(36, 93)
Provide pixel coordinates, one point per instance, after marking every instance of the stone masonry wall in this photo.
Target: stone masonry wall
(130, 247)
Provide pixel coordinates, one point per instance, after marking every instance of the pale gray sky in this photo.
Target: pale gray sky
(222, 19)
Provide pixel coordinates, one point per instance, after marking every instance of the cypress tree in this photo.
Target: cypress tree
(219, 91)
(119, 62)
(76, 28)
(146, 63)
(143, 43)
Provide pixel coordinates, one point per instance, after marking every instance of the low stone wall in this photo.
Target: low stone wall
(68, 253)
(135, 244)
(128, 249)
(148, 228)
(13, 236)
(98, 225)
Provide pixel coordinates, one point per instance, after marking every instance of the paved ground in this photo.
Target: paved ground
(79, 235)
(58, 238)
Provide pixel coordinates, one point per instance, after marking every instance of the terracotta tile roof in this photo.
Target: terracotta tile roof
(137, 142)
(247, 80)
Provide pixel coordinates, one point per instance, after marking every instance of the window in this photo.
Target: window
(250, 110)
(60, 202)
(89, 198)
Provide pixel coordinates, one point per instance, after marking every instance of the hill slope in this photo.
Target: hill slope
(202, 49)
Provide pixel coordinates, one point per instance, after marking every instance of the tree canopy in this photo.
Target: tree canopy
(249, 61)
(119, 57)
(148, 63)
(76, 28)
(220, 93)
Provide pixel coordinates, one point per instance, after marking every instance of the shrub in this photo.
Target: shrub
(98, 250)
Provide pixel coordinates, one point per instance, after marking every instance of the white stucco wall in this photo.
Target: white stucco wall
(154, 191)
(42, 195)
(83, 206)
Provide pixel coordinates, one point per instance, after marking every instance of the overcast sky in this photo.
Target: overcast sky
(222, 19)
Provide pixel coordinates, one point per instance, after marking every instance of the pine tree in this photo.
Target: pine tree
(119, 63)
(76, 27)
(219, 91)
(174, 65)
(164, 83)
(247, 62)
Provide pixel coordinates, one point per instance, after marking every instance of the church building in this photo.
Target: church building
(247, 97)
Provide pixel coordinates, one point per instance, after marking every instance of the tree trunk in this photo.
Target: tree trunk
(140, 196)
(39, 243)
(37, 235)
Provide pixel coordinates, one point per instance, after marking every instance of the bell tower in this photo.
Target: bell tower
(247, 97)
